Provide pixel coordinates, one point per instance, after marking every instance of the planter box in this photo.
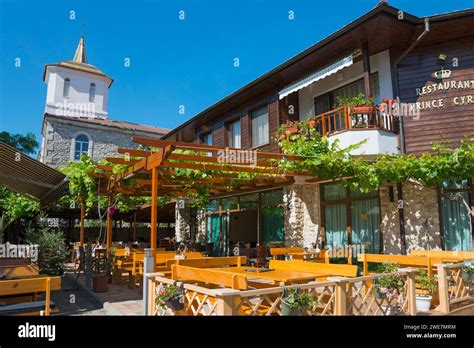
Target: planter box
(100, 283)
(423, 303)
(362, 109)
(288, 311)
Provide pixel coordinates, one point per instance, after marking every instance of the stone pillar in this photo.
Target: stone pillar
(302, 215)
(201, 227)
(183, 221)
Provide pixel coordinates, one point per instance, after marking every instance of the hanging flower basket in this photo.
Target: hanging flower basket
(111, 210)
(171, 297)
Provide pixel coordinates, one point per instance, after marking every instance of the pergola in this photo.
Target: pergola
(155, 173)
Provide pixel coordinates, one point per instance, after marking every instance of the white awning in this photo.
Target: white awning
(318, 75)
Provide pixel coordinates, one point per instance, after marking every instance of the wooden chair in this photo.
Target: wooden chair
(28, 286)
(455, 255)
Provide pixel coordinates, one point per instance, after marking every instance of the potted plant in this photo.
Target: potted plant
(389, 286)
(360, 104)
(468, 272)
(170, 296)
(296, 302)
(426, 283)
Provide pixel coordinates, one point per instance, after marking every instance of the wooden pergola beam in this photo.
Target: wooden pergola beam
(134, 152)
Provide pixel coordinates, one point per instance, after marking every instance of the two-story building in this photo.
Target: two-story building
(426, 63)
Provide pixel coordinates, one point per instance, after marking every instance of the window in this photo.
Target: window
(92, 93)
(207, 139)
(234, 134)
(327, 101)
(81, 146)
(260, 133)
(351, 217)
(67, 86)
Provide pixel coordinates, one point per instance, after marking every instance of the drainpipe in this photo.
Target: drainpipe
(396, 87)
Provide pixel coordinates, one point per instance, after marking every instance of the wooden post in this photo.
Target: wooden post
(443, 289)
(109, 223)
(366, 63)
(365, 265)
(47, 309)
(411, 292)
(154, 207)
(341, 298)
(225, 302)
(81, 230)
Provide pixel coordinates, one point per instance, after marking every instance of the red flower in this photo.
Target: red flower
(292, 130)
(282, 136)
(312, 122)
(111, 210)
(370, 97)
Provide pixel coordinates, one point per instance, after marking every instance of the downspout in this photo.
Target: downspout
(401, 213)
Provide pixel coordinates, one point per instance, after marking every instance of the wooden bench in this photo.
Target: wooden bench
(328, 269)
(28, 286)
(276, 252)
(455, 255)
(425, 262)
(213, 262)
(208, 276)
(18, 271)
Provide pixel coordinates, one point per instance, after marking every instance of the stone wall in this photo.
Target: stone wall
(302, 215)
(103, 141)
(183, 221)
(422, 226)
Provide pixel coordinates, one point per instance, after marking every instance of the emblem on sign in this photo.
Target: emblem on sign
(442, 74)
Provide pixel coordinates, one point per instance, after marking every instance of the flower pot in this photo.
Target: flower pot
(175, 303)
(362, 109)
(423, 303)
(100, 283)
(288, 311)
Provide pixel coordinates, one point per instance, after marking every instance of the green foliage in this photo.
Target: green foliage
(426, 282)
(165, 293)
(52, 249)
(329, 162)
(358, 100)
(390, 280)
(82, 186)
(15, 207)
(24, 143)
(297, 299)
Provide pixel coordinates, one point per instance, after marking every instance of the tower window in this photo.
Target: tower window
(67, 86)
(92, 93)
(81, 146)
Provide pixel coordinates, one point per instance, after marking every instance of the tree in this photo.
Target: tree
(15, 207)
(24, 143)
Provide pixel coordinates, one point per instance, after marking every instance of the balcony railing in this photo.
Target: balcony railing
(345, 119)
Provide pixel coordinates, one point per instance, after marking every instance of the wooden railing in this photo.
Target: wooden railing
(343, 296)
(453, 290)
(344, 119)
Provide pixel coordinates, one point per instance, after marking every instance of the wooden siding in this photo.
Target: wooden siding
(449, 123)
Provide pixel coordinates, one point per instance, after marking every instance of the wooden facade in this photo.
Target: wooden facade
(447, 114)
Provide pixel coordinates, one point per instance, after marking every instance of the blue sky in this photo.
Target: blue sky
(173, 62)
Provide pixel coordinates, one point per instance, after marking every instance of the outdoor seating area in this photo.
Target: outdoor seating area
(225, 286)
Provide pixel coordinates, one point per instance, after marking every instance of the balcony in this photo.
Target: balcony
(350, 126)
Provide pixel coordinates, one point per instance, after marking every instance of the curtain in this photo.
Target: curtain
(334, 191)
(234, 135)
(335, 223)
(455, 221)
(365, 223)
(213, 229)
(273, 225)
(260, 133)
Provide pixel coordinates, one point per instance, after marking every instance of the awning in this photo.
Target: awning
(23, 174)
(318, 75)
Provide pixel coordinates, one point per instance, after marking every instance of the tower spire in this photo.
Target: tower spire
(80, 55)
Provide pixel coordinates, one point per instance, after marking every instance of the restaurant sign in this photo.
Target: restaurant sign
(436, 88)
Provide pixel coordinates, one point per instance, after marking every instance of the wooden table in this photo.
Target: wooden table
(278, 276)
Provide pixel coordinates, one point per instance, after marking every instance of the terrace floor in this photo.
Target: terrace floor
(76, 299)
